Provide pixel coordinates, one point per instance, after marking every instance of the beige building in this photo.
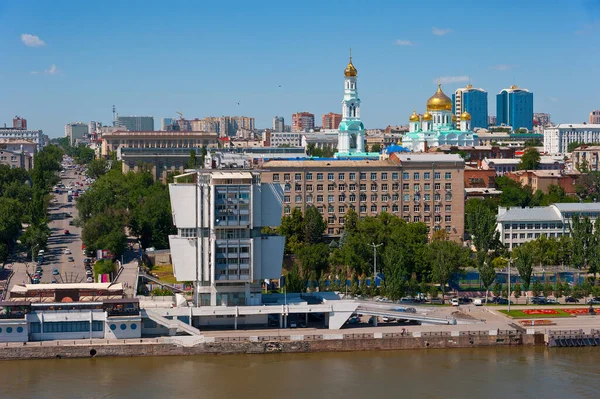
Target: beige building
(586, 156)
(595, 117)
(426, 188)
(16, 159)
(124, 139)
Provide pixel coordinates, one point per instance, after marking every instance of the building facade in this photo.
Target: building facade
(586, 157)
(415, 187)
(165, 123)
(278, 139)
(438, 126)
(514, 107)
(473, 101)
(557, 138)
(520, 225)
(19, 123)
(219, 244)
(278, 124)
(36, 136)
(112, 142)
(543, 179)
(303, 122)
(135, 123)
(506, 165)
(76, 131)
(331, 120)
(27, 146)
(595, 117)
(16, 159)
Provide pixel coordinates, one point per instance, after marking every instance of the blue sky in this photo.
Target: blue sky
(203, 57)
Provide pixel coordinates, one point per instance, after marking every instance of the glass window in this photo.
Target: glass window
(319, 187)
(352, 197)
(448, 175)
(384, 176)
(330, 176)
(275, 176)
(341, 176)
(308, 176)
(427, 197)
(341, 209)
(395, 176)
(352, 176)
(437, 175)
(319, 176)
(448, 218)
(319, 198)
(448, 186)
(427, 175)
(363, 176)
(416, 175)
(363, 208)
(417, 219)
(405, 186)
(298, 177)
(405, 176)
(373, 176)
(373, 208)
(330, 198)
(417, 208)
(384, 187)
(352, 187)
(394, 208)
(405, 208)
(406, 197)
(330, 187)
(417, 188)
(286, 176)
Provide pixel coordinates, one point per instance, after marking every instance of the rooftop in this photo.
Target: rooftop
(428, 157)
(578, 207)
(533, 214)
(587, 148)
(75, 286)
(321, 163)
(575, 126)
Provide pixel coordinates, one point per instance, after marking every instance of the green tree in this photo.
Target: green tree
(588, 186)
(530, 159)
(517, 291)
(375, 147)
(295, 280)
(547, 290)
(314, 258)
(524, 264)
(482, 222)
(192, 163)
(487, 273)
(97, 168)
(313, 226)
(105, 231)
(581, 230)
(446, 257)
(537, 288)
(497, 289)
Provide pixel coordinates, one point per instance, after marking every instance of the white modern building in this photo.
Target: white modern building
(290, 139)
(557, 138)
(227, 210)
(520, 225)
(36, 136)
(76, 131)
(507, 165)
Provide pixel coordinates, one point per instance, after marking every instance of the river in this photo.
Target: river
(507, 373)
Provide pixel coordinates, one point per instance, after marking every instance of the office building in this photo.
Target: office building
(520, 225)
(136, 123)
(303, 122)
(426, 188)
(475, 102)
(278, 124)
(166, 124)
(514, 107)
(557, 138)
(219, 244)
(492, 121)
(595, 117)
(76, 131)
(506, 165)
(19, 123)
(331, 121)
(36, 136)
(438, 126)
(277, 139)
(114, 141)
(16, 159)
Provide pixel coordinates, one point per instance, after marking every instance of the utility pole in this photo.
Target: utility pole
(375, 259)
(509, 262)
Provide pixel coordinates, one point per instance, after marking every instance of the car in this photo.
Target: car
(90, 280)
(465, 299)
(67, 232)
(437, 301)
(454, 302)
(71, 259)
(88, 272)
(35, 281)
(501, 301)
(354, 320)
(87, 260)
(67, 251)
(571, 299)
(70, 223)
(293, 324)
(538, 300)
(54, 281)
(593, 301)
(551, 301)
(55, 272)
(478, 302)
(41, 252)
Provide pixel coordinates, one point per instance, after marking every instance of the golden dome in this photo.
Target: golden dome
(414, 117)
(513, 87)
(453, 118)
(427, 116)
(465, 116)
(439, 101)
(350, 69)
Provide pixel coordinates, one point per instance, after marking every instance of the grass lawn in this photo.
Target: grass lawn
(164, 273)
(519, 314)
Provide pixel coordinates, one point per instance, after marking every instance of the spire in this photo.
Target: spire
(350, 69)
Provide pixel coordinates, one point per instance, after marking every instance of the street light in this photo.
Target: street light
(375, 259)
(511, 260)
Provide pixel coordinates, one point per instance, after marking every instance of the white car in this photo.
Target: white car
(454, 302)
(67, 251)
(477, 302)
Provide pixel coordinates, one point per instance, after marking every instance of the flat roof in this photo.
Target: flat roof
(429, 157)
(325, 163)
(578, 207)
(576, 126)
(74, 286)
(534, 214)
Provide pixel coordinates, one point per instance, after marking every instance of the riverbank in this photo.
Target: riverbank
(177, 346)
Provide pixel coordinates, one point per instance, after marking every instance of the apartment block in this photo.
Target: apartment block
(331, 120)
(426, 188)
(303, 122)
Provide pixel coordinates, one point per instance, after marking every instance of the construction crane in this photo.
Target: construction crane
(180, 114)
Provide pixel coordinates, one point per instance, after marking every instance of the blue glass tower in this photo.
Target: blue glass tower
(514, 107)
(475, 102)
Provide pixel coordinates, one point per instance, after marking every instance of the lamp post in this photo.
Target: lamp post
(509, 263)
(375, 246)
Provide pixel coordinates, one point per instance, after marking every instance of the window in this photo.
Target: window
(298, 198)
(427, 197)
(342, 209)
(309, 187)
(308, 176)
(373, 197)
(319, 198)
(384, 208)
(395, 176)
(342, 220)
(309, 199)
(417, 208)
(330, 230)
(275, 176)
(385, 197)
(395, 187)
(352, 176)
(448, 218)
(341, 198)
(437, 219)
(319, 187)
(437, 175)
(298, 177)
(330, 198)
(384, 176)
(352, 187)
(406, 197)
(448, 186)
(330, 187)
(437, 186)
(417, 219)
(448, 208)
(363, 187)
(331, 219)
(298, 187)
(341, 176)
(427, 186)
(363, 208)
(405, 186)
(427, 208)
(320, 209)
(363, 176)
(448, 175)
(286, 210)
(395, 197)
(522, 226)
(427, 219)
(352, 197)
(448, 197)
(427, 175)
(394, 208)
(373, 208)
(405, 176)
(330, 208)
(417, 197)
(373, 187)
(417, 188)
(522, 235)
(288, 188)
(286, 177)
(384, 187)
(416, 176)
(330, 176)
(405, 208)
(319, 176)
(373, 176)
(342, 187)
(187, 232)
(363, 197)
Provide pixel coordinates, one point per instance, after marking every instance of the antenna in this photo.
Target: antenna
(114, 110)
(350, 54)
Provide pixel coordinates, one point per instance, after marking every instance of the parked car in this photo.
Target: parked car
(465, 299)
(593, 301)
(354, 320)
(551, 301)
(67, 232)
(293, 324)
(454, 302)
(501, 301)
(67, 251)
(71, 259)
(478, 301)
(55, 272)
(406, 299)
(571, 299)
(538, 300)
(437, 301)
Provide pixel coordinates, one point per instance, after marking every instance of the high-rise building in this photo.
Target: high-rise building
(303, 122)
(278, 124)
(219, 245)
(475, 102)
(165, 122)
(76, 131)
(595, 117)
(95, 127)
(492, 120)
(331, 120)
(514, 107)
(136, 123)
(19, 123)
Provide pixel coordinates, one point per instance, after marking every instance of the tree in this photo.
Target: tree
(106, 231)
(530, 159)
(581, 230)
(313, 226)
(487, 273)
(446, 257)
(295, 280)
(524, 264)
(588, 186)
(314, 258)
(517, 291)
(547, 290)
(497, 289)
(537, 288)
(375, 147)
(151, 219)
(192, 163)
(482, 224)
(97, 168)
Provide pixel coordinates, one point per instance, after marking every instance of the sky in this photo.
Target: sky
(64, 61)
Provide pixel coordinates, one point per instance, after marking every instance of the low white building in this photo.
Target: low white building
(277, 139)
(520, 225)
(557, 138)
(507, 165)
(36, 136)
(226, 209)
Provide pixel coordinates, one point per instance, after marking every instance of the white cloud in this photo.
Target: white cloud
(53, 70)
(451, 79)
(440, 31)
(501, 67)
(32, 40)
(400, 42)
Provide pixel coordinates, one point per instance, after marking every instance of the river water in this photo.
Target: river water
(507, 373)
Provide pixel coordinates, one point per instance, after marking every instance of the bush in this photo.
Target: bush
(104, 266)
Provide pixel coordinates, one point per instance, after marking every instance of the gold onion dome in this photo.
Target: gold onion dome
(439, 101)
(453, 118)
(414, 117)
(465, 116)
(350, 69)
(427, 116)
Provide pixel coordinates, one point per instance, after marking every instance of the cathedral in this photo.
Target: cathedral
(437, 126)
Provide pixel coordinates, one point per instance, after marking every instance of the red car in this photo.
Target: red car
(67, 232)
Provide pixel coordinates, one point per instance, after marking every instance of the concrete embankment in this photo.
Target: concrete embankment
(266, 345)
